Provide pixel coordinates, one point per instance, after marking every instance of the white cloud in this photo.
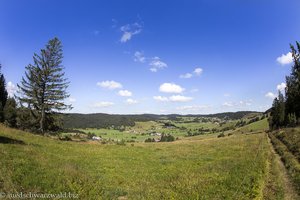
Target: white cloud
(71, 99)
(174, 98)
(125, 93)
(180, 98)
(187, 75)
(103, 104)
(157, 64)
(130, 30)
(281, 87)
(270, 95)
(139, 57)
(110, 85)
(170, 88)
(193, 108)
(198, 71)
(11, 89)
(160, 98)
(285, 59)
(227, 104)
(242, 103)
(131, 101)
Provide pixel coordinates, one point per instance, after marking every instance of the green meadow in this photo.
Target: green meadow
(199, 167)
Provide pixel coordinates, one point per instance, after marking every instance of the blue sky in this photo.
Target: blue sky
(195, 56)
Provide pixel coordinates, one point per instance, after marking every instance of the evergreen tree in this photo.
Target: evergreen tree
(281, 109)
(10, 112)
(277, 119)
(293, 84)
(43, 89)
(3, 95)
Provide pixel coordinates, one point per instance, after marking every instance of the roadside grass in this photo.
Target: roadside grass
(217, 168)
(289, 160)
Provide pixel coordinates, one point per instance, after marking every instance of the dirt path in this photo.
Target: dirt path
(280, 173)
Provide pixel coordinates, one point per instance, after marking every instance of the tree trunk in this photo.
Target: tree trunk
(42, 121)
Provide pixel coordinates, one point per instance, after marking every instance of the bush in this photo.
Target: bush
(221, 135)
(150, 140)
(90, 135)
(121, 142)
(66, 138)
(167, 138)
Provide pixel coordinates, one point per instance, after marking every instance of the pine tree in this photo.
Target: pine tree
(293, 84)
(43, 89)
(3, 95)
(10, 112)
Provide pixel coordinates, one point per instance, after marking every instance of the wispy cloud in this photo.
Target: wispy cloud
(125, 93)
(197, 72)
(139, 57)
(161, 98)
(242, 103)
(131, 101)
(194, 108)
(171, 88)
(156, 64)
(173, 98)
(110, 85)
(129, 30)
(270, 95)
(285, 59)
(180, 98)
(103, 104)
(187, 75)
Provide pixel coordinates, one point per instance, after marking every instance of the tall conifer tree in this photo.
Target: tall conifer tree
(43, 89)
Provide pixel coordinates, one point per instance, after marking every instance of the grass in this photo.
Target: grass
(290, 161)
(209, 168)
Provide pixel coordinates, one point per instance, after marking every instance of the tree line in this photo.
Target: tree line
(41, 93)
(285, 109)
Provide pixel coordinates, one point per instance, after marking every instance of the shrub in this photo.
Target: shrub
(221, 135)
(167, 138)
(150, 140)
(121, 142)
(66, 138)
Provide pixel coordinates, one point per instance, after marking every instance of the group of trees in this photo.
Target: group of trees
(285, 110)
(41, 92)
(7, 104)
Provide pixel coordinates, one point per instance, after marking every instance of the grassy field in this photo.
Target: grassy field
(211, 168)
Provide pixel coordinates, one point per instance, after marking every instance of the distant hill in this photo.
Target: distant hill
(101, 120)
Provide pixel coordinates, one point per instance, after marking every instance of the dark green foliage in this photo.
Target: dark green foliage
(167, 138)
(291, 120)
(221, 135)
(43, 88)
(96, 120)
(293, 84)
(90, 135)
(26, 119)
(286, 111)
(10, 112)
(3, 95)
(150, 140)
